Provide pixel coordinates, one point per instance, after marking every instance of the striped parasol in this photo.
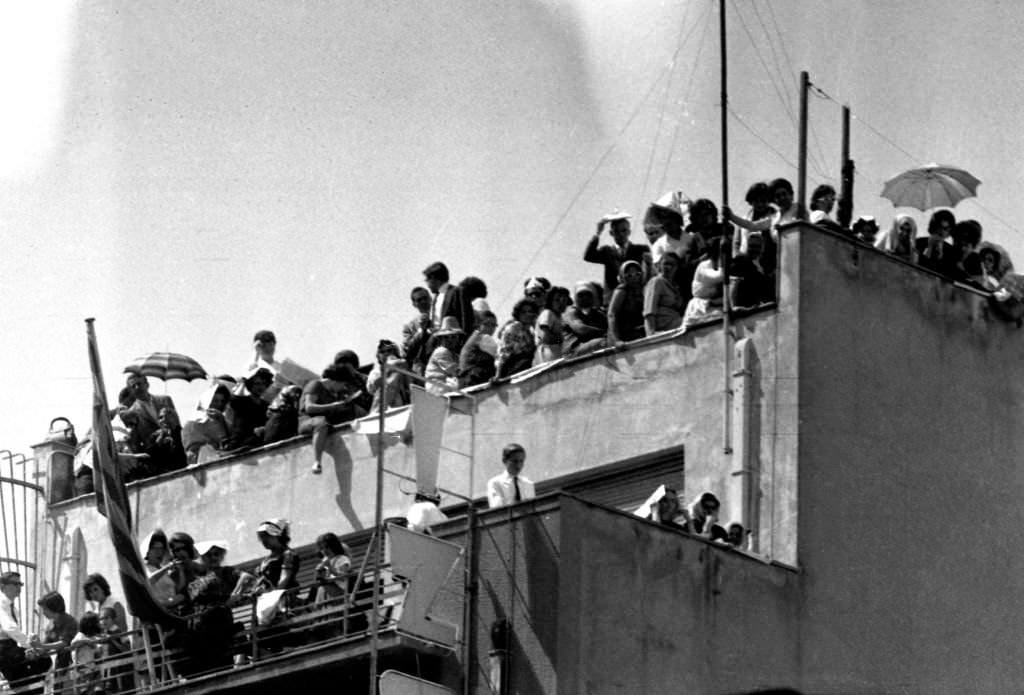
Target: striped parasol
(166, 366)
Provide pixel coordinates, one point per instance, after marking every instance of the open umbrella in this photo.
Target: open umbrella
(166, 365)
(930, 186)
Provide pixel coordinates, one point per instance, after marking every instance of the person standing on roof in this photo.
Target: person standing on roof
(510, 487)
(613, 255)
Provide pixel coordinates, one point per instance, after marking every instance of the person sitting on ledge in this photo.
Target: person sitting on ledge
(424, 512)
(702, 515)
(662, 507)
(246, 413)
(586, 324)
(510, 487)
(155, 430)
(330, 400)
(210, 428)
(283, 415)
(707, 288)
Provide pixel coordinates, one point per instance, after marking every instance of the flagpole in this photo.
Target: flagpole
(378, 523)
(726, 247)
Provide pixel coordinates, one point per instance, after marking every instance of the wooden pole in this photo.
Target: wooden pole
(378, 521)
(726, 246)
(845, 215)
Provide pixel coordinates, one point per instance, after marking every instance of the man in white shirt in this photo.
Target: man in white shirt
(510, 487)
(18, 656)
(436, 277)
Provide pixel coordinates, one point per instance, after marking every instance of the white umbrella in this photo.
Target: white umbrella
(930, 186)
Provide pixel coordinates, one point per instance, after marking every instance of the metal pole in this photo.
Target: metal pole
(801, 178)
(845, 215)
(725, 247)
(469, 585)
(378, 522)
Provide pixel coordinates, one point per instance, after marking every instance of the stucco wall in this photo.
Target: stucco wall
(645, 609)
(615, 406)
(911, 401)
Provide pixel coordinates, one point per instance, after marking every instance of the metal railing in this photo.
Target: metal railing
(148, 659)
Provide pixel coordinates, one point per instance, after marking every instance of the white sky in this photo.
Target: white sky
(191, 172)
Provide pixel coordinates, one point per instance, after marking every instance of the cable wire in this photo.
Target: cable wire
(764, 142)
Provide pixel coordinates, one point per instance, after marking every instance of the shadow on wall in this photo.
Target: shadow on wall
(342, 457)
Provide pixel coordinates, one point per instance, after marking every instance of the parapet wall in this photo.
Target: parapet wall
(661, 393)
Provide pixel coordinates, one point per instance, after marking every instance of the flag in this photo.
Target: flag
(428, 415)
(112, 502)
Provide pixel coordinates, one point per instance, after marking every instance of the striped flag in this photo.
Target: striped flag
(112, 501)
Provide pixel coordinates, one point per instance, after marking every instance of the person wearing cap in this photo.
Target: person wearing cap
(424, 512)
(398, 383)
(586, 324)
(19, 655)
(865, 229)
(626, 309)
(476, 360)
(510, 487)
(280, 569)
(442, 372)
(613, 255)
(327, 401)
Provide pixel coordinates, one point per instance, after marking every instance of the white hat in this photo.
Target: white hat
(203, 547)
(616, 215)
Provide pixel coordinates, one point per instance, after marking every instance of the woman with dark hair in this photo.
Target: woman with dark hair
(471, 288)
(184, 569)
(707, 288)
(626, 310)
(98, 597)
(935, 251)
(398, 384)
(157, 559)
(247, 411)
(550, 331)
(280, 569)
(663, 302)
(330, 400)
(210, 428)
(516, 344)
(60, 633)
(332, 573)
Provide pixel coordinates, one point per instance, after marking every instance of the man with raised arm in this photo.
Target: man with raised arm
(613, 255)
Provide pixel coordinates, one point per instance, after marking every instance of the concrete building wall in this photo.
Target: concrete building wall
(911, 404)
(647, 609)
(660, 394)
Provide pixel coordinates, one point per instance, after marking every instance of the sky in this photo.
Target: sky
(189, 173)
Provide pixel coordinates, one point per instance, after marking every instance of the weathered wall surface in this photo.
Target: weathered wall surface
(642, 608)
(911, 404)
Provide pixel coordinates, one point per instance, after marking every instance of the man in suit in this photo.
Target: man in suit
(445, 297)
(510, 487)
(156, 429)
(613, 255)
(19, 653)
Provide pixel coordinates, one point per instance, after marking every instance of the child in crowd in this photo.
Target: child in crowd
(84, 651)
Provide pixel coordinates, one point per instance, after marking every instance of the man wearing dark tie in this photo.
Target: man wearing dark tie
(18, 655)
(510, 487)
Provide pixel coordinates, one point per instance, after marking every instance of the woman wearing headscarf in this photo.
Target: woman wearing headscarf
(517, 345)
(279, 569)
(662, 507)
(663, 302)
(210, 427)
(899, 239)
(626, 309)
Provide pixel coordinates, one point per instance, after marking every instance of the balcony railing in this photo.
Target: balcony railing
(148, 659)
